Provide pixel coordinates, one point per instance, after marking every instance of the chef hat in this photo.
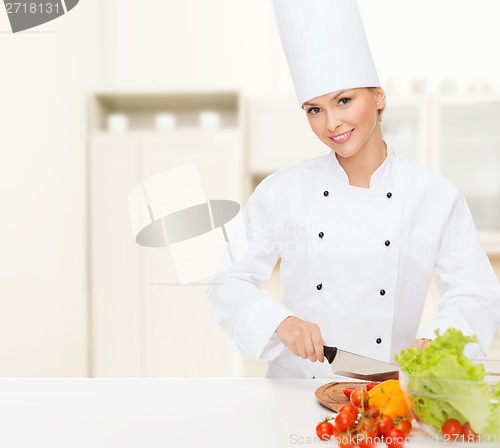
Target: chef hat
(325, 46)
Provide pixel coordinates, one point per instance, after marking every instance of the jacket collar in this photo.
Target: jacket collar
(380, 177)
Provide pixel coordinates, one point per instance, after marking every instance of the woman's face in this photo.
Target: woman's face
(346, 120)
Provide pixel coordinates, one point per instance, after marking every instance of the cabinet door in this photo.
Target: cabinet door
(469, 155)
(181, 337)
(115, 259)
(405, 129)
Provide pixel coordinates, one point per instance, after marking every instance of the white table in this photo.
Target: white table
(162, 413)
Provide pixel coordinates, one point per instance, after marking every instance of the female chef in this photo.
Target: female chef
(359, 232)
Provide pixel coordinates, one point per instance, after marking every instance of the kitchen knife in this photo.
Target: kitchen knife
(360, 367)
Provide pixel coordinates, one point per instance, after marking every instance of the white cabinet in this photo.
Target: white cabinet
(405, 128)
(115, 259)
(457, 136)
(467, 142)
(181, 337)
(143, 322)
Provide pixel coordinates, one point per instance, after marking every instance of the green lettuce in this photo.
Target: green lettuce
(446, 384)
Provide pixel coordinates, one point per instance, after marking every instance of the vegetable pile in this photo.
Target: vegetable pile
(376, 413)
(448, 391)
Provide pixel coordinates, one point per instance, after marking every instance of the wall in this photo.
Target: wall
(46, 73)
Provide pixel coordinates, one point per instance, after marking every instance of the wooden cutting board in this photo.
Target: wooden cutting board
(331, 395)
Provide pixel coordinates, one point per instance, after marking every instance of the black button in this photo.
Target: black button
(387, 243)
(321, 234)
(382, 292)
(389, 195)
(318, 287)
(325, 193)
(378, 341)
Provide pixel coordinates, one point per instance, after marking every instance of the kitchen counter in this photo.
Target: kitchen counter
(166, 413)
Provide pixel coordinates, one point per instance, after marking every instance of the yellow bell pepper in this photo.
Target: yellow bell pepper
(389, 399)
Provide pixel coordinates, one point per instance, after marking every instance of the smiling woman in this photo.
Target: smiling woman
(361, 291)
(349, 123)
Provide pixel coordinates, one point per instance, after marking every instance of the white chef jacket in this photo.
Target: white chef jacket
(357, 262)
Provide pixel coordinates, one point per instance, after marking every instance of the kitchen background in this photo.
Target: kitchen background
(86, 113)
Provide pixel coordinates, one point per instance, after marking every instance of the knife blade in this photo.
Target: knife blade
(357, 366)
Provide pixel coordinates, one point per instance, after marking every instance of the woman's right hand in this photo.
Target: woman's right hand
(302, 338)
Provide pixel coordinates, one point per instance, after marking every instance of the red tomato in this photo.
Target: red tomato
(385, 424)
(394, 438)
(371, 385)
(349, 408)
(346, 440)
(336, 432)
(451, 429)
(359, 396)
(372, 411)
(469, 434)
(369, 425)
(347, 391)
(325, 430)
(367, 439)
(345, 421)
(403, 425)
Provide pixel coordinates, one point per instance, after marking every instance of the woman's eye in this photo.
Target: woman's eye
(313, 110)
(344, 101)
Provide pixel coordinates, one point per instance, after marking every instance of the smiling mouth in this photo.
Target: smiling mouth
(341, 138)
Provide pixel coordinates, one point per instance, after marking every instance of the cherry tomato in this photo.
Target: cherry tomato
(371, 385)
(369, 425)
(385, 424)
(469, 434)
(359, 396)
(366, 439)
(372, 412)
(394, 438)
(345, 421)
(348, 391)
(325, 430)
(451, 429)
(349, 408)
(403, 425)
(336, 432)
(346, 440)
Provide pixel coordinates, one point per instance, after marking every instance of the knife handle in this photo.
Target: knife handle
(330, 353)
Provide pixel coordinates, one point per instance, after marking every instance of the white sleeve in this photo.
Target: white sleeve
(248, 314)
(469, 289)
